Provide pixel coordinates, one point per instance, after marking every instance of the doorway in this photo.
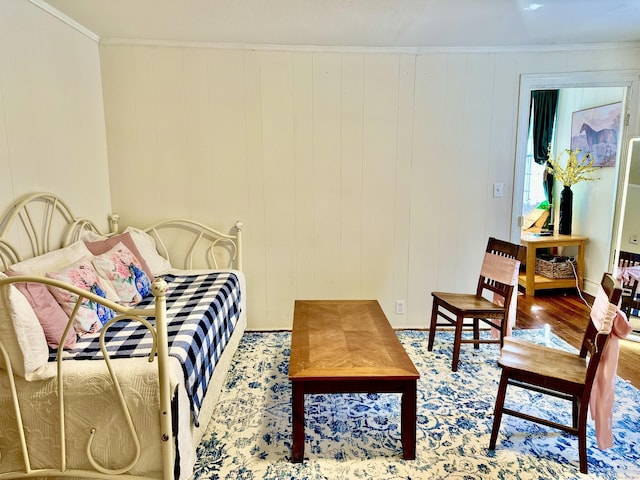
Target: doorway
(606, 205)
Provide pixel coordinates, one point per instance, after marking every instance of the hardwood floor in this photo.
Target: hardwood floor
(567, 316)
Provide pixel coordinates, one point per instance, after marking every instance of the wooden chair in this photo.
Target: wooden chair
(630, 284)
(555, 372)
(454, 308)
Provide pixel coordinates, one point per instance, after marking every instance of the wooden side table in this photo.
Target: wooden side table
(532, 281)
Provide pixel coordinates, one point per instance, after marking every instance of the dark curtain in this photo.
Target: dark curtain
(544, 104)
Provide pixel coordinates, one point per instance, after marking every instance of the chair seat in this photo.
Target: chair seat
(538, 365)
(469, 304)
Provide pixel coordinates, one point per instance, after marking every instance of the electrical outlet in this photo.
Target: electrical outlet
(400, 307)
(498, 190)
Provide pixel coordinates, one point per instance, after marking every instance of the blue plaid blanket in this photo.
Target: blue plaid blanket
(202, 311)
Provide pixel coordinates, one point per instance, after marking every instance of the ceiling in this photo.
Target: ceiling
(360, 23)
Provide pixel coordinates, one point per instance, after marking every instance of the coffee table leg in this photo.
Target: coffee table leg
(297, 420)
(408, 420)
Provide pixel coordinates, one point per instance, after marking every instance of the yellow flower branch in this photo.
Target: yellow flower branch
(575, 171)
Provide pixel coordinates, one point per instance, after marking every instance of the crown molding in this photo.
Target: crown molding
(65, 19)
(368, 49)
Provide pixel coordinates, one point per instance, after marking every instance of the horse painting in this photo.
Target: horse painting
(594, 137)
(595, 130)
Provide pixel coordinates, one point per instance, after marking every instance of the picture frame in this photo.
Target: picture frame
(596, 130)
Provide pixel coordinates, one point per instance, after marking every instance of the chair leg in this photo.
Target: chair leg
(582, 446)
(497, 411)
(432, 327)
(476, 333)
(456, 343)
(582, 438)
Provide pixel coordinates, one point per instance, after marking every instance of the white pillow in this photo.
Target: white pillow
(52, 261)
(91, 236)
(21, 334)
(146, 245)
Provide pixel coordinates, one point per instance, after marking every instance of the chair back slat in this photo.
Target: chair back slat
(503, 249)
(494, 286)
(629, 283)
(628, 259)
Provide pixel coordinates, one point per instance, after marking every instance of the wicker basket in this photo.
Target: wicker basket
(556, 267)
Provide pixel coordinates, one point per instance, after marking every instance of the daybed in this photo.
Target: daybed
(128, 394)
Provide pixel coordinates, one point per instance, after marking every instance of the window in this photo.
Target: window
(534, 193)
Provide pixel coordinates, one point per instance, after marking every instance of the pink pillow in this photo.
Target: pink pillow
(103, 246)
(50, 314)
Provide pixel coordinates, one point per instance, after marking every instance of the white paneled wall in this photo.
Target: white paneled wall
(594, 202)
(52, 130)
(358, 174)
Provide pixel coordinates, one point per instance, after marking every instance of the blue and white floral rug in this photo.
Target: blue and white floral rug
(358, 436)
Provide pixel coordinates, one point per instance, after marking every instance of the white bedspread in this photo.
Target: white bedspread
(93, 404)
(88, 404)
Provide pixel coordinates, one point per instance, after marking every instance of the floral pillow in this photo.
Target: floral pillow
(125, 272)
(99, 245)
(91, 315)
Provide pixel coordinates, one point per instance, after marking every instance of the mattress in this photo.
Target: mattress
(90, 403)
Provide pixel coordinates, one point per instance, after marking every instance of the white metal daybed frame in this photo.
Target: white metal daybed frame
(51, 209)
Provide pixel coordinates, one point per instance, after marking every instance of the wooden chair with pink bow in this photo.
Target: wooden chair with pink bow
(586, 378)
(493, 303)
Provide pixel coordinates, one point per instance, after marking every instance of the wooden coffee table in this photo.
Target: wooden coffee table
(348, 346)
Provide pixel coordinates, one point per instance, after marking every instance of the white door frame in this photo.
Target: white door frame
(529, 82)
